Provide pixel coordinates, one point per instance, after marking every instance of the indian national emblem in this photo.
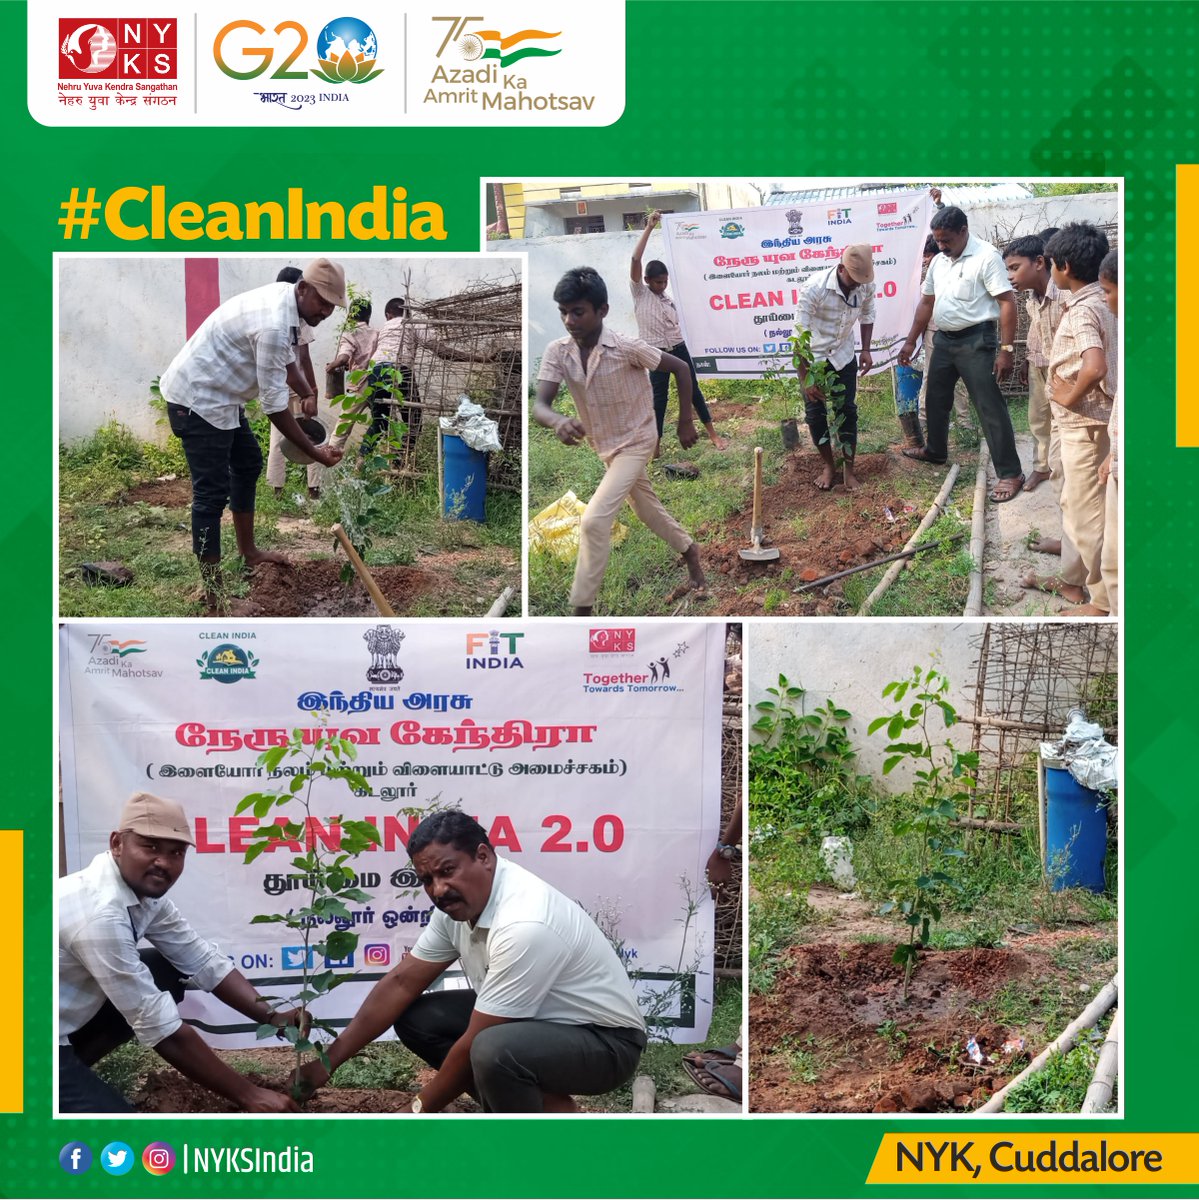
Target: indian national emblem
(384, 644)
(794, 217)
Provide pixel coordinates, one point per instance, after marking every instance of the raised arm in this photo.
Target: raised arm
(651, 223)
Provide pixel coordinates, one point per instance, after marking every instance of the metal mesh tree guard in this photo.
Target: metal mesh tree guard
(1028, 676)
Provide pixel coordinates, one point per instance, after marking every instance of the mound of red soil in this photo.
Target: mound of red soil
(316, 589)
(163, 493)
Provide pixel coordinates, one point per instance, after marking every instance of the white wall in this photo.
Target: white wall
(851, 662)
(122, 320)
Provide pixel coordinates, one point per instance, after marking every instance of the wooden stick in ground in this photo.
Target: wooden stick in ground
(1099, 1094)
(368, 580)
(502, 601)
(1087, 1018)
(938, 506)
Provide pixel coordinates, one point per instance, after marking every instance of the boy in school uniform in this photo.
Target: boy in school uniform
(1082, 373)
(355, 349)
(606, 373)
(658, 325)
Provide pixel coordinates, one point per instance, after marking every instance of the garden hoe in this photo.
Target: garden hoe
(756, 553)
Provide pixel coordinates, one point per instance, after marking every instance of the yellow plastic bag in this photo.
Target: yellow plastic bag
(555, 529)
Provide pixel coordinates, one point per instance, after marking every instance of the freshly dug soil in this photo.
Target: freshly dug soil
(165, 493)
(316, 589)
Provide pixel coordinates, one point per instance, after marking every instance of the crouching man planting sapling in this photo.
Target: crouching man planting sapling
(550, 1012)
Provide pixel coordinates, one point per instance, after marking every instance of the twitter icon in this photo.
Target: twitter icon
(117, 1158)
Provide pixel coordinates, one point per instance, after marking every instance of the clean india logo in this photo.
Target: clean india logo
(507, 49)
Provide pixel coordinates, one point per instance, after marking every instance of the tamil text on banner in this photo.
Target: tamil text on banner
(735, 275)
(590, 753)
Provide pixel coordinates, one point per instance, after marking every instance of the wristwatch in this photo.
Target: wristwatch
(417, 1106)
(725, 850)
(1009, 348)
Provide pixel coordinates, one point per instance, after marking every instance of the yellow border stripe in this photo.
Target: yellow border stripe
(1186, 382)
(12, 995)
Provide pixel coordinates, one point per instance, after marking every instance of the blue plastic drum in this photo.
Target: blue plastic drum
(1075, 831)
(465, 476)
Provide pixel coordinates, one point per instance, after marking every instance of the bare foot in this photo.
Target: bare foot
(824, 481)
(1085, 610)
(1054, 587)
(255, 557)
(1035, 479)
(852, 483)
(1045, 545)
(695, 570)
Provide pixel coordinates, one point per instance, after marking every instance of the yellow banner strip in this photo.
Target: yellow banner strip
(1186, 382)
(1036, 1158)
(12, 995)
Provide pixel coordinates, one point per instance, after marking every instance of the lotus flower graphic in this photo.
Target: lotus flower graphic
(347, 50)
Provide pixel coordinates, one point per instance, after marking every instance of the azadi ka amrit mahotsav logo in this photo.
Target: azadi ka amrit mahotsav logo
(506, 49)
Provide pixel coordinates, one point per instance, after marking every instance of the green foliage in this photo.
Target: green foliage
(328, 874)
(943, 774)
(775, 922)
(1061, 1085)
(815, 372)
(895, 1038)
(385, 1065)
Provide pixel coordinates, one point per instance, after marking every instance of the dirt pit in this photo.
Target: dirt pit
(316, 589)
(836, 1014)
(161, 493)
(816, 533)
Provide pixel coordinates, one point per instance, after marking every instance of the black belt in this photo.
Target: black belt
(954, 333)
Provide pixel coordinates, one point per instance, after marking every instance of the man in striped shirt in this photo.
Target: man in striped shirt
(606, 374)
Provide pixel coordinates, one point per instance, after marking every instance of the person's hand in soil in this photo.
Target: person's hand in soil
(263, 1100)
(305, 1082)
(301, 1018)
(328, 456)
(569, 431)
(688, 434)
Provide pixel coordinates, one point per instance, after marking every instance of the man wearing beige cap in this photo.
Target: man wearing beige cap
(831, 304)
(242, 351)
(109, 992)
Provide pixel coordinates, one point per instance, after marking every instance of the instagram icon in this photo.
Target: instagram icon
(158, 1158)
(377, 954)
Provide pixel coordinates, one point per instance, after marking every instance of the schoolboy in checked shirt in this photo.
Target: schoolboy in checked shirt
(606, 373)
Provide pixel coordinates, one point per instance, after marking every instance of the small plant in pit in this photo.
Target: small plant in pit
(813, 372)
(328, 876)
(895, 1038)
(943, 773)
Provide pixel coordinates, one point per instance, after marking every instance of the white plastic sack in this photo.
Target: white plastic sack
(473, 426)
(1084, 752)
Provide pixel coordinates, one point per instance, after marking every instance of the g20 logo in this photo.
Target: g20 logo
(346, 49)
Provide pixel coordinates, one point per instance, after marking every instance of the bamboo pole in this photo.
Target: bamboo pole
(368, 580)
(1089, 1016)
(929, 517)
(502, 601)
(878, 562)
(978, 538)
(1099, 1094)
(1042, 814)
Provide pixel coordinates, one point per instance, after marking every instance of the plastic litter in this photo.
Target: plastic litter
(889, 515)
(1085, 753)
(974, 1051)
(473, 426)
(555, 529)
(1013, 1046)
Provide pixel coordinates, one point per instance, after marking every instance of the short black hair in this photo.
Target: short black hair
(1046, 234)
(451, 827)
(930, 245)
(949, 217)
(360, 310)
(1080, 244)
(395, 308)
(1109, 269)
(1030, 246)
(581, 283)
(289, 275)
(654, 268)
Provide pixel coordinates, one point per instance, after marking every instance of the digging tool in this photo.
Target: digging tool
(756, 553)
(368, 580)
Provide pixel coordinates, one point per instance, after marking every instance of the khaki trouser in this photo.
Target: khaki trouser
(1072, 570)
(1109, 562)
(1084, 447)
(276, 464)
(625, 478)
(1040, 417)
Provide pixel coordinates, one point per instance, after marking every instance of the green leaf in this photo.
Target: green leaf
(265, 1031)
(255, 850)
(895, 726)
(877, 724)
(268, 919)
(271, 758)
(340, 943)
(355, 894)
(891, 763)
(923, 881)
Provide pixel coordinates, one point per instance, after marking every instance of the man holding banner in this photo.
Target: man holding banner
(550, 1012)
(830, 305)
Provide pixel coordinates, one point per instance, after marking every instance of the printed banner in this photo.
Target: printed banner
(736, 275)
(228, 65)
(590, 754)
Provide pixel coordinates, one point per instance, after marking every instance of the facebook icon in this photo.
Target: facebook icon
(75, 1158)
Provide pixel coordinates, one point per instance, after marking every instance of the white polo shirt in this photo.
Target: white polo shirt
(965, 287)
(535, 953)
(239, 353)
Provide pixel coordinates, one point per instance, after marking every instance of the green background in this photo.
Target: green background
(756, 90)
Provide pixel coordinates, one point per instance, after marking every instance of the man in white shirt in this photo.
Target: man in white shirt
(551, 1012)
(832, 304)
(110, 993)
(242, 351)
(966, 291)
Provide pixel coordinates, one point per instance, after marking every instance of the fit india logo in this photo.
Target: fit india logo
(227, 664)
(493, 651)
(158, 1158)
(838, 216)
(118, 48)
(612, 641)
(732, 229)
(490, 45)
(75, 1158)
(384, 644)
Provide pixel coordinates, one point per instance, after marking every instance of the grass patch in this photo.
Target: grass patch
(386, 1065)
(1061, 1086)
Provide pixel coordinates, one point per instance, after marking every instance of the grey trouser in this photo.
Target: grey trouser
(515, 1063)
